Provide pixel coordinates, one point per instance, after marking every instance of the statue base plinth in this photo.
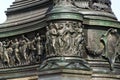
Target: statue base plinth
(64, 68)
(65, 74)
(53, 63)
(103, 76)
(101, 70)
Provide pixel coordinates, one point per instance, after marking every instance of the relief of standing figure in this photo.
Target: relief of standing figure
(23, 45)
(38, 46)
(1, 53)
(32, 51)
(6, 54)
(51, 36)
(16, 51)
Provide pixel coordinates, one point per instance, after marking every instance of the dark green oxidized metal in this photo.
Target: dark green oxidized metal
(65, 38)
(60, 40)
(98, 41)
(102, 23)
(65, 15)
(64, 10)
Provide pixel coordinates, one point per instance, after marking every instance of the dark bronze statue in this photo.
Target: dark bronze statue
(60, 40)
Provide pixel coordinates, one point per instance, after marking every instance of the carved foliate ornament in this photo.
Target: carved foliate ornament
(111, 41)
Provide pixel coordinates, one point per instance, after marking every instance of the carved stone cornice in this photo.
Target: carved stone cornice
(26, 4)
(18, 72)
(18, 23)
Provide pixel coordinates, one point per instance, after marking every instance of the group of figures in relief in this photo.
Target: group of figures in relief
(20, 51)
(65, 39)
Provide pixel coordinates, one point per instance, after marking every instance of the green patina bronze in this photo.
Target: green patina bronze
(65, 15)
(102, 23)
(60, 40)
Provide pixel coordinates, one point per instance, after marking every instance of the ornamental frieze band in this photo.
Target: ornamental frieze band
(60, 40)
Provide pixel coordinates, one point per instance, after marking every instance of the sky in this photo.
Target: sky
(4, 4)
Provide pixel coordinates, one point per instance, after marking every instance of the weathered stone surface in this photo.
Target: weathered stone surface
(26, 78)
(65, 74)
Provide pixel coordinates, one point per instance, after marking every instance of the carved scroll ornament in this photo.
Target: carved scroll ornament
(111, 41)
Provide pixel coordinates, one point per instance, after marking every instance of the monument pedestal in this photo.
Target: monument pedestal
(101, 70)
(65, 74)
(64, 68)
(101, 76)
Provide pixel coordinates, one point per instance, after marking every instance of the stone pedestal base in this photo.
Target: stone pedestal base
(101, 70)
(65, 68)
(26, 78)
(105, 77)
(65, 74)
